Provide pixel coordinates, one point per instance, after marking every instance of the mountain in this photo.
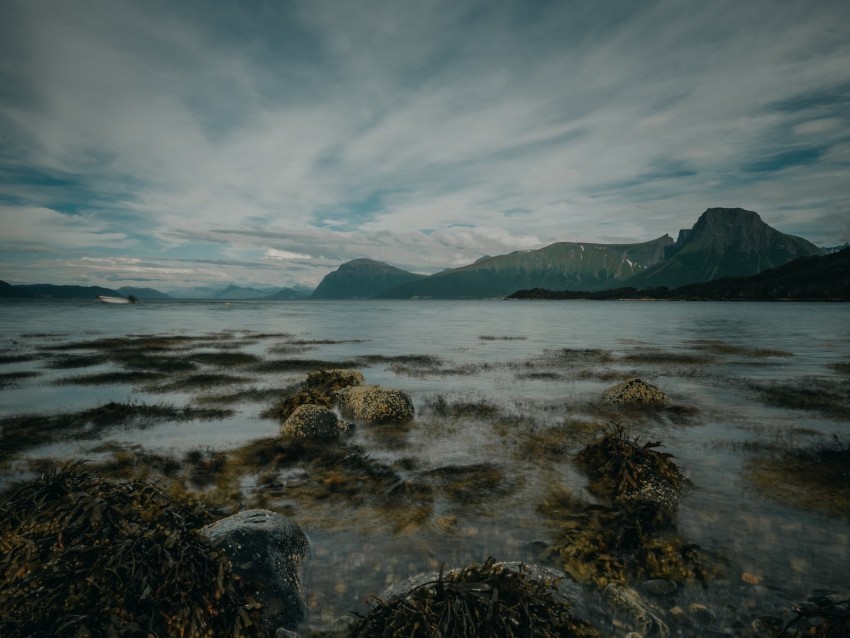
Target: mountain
(561, 265)
(825, 277)
(199, 292)
(289, 293)
(361, 279)
(240, 292)
(725, 242)
(142, 293)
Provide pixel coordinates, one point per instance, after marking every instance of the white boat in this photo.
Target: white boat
(108, 299)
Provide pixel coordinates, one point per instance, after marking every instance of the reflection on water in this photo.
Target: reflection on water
(521, 370)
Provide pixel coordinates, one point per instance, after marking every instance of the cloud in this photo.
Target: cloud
(302, 134)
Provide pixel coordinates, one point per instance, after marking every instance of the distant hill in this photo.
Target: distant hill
(561, 265)
(285, 294)
(49, 291)
(142, 293)
(361, 279)
(724, 242)
(8, 291)
(810, 278)
(242, 292)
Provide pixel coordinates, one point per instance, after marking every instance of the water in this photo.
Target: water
(791, 550)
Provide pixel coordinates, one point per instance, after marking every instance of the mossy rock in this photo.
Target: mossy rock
(85, 556)
(375, 404)
(634, 391)
(314, 422)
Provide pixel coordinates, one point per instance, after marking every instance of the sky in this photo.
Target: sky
(176, 144)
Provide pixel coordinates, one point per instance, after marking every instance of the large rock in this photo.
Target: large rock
(266, 551)
(375, 404)
(635, 392)
(315, 422)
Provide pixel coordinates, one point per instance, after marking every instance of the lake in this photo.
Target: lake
(730, 369)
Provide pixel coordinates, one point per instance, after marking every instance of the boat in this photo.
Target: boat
(108, 299)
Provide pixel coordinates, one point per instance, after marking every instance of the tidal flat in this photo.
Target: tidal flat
(494, 462)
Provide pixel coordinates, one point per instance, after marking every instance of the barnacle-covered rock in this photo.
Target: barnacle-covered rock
(266, 551)
(634, 391)
(375, 404)
(314, 422)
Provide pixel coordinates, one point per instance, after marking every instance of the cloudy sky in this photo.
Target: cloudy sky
(170, 144)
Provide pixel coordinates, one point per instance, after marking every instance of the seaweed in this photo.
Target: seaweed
(86, 556)
(631, 536)
(816, 478)
(29, 430)
(487, 599)
(12, 378)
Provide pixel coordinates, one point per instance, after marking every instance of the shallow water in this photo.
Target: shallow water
(790, 550)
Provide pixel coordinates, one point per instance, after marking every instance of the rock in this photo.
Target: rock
(701, 614)
(635, 392)
(316, 422)
(625, 602)
(659, 587)
(266, 551)
(375, 404)
(334, 379)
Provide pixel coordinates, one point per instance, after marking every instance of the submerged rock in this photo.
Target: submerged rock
(375, 404)
(315, 422)
(634, 391)
(266, 551)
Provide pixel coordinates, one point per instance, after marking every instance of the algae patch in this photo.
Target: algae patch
(85, 556)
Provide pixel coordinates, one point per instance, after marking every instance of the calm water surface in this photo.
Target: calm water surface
(793, 551)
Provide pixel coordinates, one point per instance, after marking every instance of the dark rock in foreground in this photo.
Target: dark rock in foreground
(266, 551)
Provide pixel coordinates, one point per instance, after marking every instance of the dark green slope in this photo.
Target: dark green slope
(811, 278)
(361, 279)
(725, 242)
(561, 265)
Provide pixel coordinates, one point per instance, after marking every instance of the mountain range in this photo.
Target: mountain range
(724, 242)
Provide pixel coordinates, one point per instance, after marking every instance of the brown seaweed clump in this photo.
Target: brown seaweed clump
(85, 556)
(488, 599)
(631, 536)
(625, 472)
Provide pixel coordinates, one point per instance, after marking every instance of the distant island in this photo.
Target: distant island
(813, 278)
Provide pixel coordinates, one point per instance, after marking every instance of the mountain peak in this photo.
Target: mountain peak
(361, 278)
(724, 242)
